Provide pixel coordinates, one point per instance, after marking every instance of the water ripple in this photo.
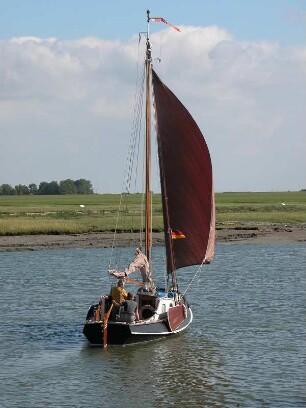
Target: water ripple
(245, 347)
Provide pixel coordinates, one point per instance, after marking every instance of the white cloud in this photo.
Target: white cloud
(66, 106)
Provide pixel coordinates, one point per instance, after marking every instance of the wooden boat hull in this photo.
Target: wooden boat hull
(120, 333)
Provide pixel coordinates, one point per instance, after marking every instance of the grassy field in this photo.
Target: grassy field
(277, 207)
(64, 215)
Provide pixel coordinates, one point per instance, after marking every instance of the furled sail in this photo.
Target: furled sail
(186, 182)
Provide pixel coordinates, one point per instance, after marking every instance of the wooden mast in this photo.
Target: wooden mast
(148, 148)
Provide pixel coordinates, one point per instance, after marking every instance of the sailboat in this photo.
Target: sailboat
(188, 209)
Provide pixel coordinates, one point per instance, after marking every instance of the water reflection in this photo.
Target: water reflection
(167, 371)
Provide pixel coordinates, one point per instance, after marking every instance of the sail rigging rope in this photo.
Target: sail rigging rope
(190, 283)
(131, 167)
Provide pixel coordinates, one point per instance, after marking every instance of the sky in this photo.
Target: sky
(67, 87)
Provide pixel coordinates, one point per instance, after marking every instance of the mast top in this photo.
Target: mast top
(149, 47)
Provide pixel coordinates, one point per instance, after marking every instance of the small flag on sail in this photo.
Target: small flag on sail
(177, 234)
(162, 20)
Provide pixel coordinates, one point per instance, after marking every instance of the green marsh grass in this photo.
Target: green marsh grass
(63, 214)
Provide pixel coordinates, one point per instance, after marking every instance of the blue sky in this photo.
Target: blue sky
(67, 76)
(281, 20)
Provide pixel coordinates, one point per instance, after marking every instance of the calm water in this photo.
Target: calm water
(245, 348)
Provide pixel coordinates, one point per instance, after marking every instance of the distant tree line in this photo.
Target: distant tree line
(68, 186)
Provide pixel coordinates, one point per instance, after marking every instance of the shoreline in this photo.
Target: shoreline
(248, 233)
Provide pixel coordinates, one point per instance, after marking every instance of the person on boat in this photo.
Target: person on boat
(130, 309)
(118, 293)
(141, 263)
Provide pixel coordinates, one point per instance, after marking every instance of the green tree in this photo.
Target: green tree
(21, 189)
(33, 188)
(84, 186)
(43, 188)
(7, 189)
(54, 187)
(48, 188)
(68, 187)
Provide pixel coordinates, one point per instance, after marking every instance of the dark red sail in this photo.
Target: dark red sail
(186, 182)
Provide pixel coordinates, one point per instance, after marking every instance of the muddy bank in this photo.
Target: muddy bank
(247, 233)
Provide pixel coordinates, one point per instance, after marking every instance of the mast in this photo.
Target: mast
(148, 147)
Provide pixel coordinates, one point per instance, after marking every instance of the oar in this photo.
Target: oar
(133, 281)
(105, 324)
(121, 275)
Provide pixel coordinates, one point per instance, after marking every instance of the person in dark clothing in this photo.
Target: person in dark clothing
(130, 309)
